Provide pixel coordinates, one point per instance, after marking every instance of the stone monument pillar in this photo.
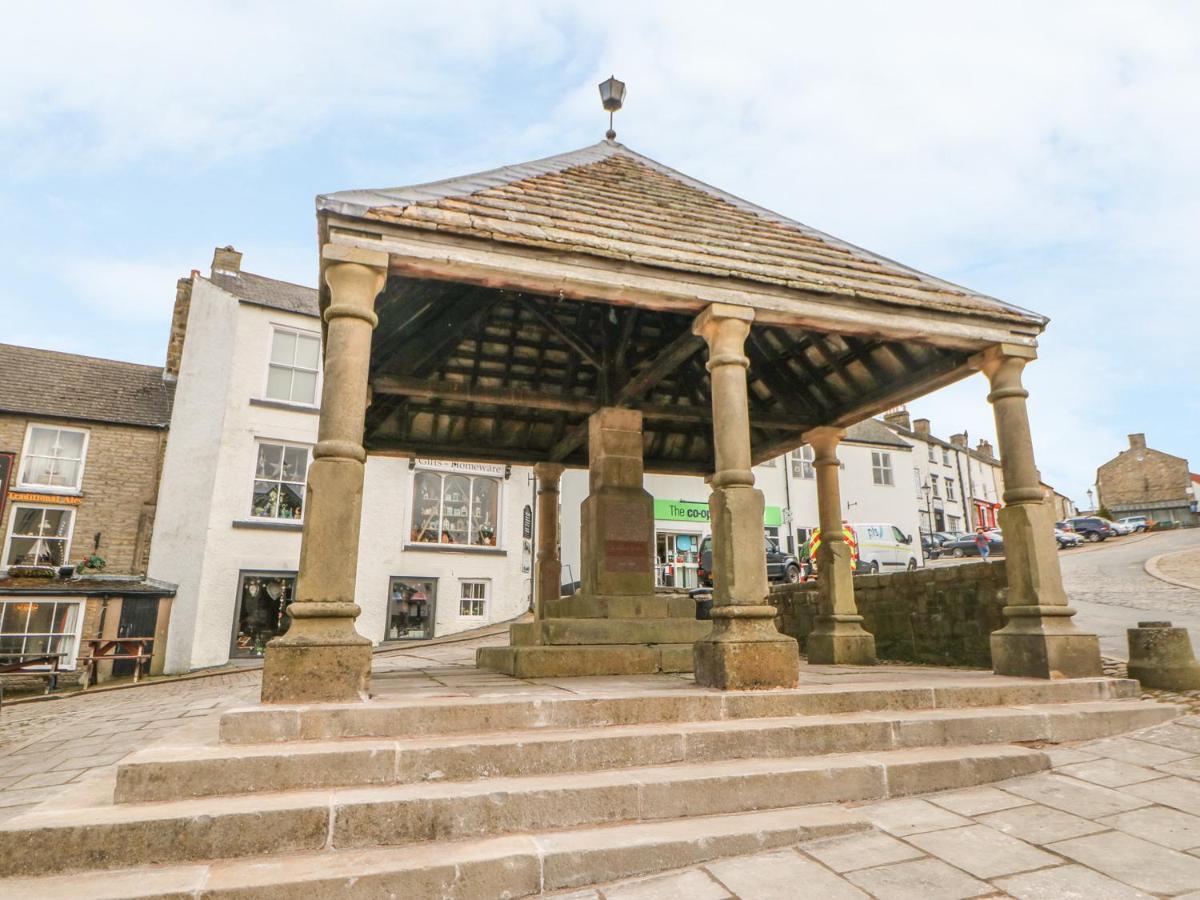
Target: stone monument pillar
(617, 517)
(322, 658)
(1040, 639)
(837, 637)
(547, 583)
(744, 650)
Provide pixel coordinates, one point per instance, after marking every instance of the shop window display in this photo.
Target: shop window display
(411, 604)
(263, 600)
(455, 509)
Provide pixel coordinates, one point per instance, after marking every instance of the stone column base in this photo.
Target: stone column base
(317, 673)
(840, 641)
(1041, 642)
(745, 652)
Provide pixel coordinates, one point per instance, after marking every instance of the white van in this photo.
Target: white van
(883, 547)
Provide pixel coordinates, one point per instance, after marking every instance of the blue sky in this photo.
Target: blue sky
(1047, 154)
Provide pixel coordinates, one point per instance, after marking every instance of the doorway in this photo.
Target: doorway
(139, 617)
(678, 559)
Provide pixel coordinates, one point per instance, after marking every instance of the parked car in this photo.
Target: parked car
(965, 545)
(1092, 528)
(1118, 528)
(883, 546)
(1067, 538)
(1064, 525)
(1137, 523)
(781, 565)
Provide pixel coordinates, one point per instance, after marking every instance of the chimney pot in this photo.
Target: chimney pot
(985, 447)
(227, 260)
(921, 426)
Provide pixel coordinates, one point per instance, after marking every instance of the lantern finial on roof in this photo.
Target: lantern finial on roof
(612, 96)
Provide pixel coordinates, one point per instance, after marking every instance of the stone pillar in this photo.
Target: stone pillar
(744, 649)
(837, 637)
(322, 658)
(1039, 640)
(617, 517)
(547, 584)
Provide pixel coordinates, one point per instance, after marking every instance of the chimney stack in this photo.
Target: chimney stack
(921, 426)
(899, 418)
(1137, 442)
(985, 447)
(959, 440)
(179, 320)
(226, 260)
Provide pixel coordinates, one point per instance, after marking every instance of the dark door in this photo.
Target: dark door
(139, 615)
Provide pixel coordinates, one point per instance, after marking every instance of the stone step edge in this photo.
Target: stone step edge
(175, 773)
(57, 840)
(511, 866)
(473, 715)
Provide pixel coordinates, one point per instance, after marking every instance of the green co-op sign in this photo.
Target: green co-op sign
(692, 511)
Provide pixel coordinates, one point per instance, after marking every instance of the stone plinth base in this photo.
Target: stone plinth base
(840, 641)
(316, 673)
(1041, 642)
(1161, 657)
(588, 634)
(748, 665)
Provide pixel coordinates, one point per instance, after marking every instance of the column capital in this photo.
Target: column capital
(991, 359)
(824, 440)
(547, 474)
(720, 320)
(339, 253)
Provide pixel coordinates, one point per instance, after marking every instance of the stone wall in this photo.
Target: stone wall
(1142, 475)
(940, 616)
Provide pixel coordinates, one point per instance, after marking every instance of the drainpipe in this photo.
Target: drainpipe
(787, 498)
(969, 484)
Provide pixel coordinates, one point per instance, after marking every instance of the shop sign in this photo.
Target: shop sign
(492, 470)
(26, 497)
(527, 522)
(694, 511)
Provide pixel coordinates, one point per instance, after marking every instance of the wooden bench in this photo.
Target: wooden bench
(17, 665)
(111, 649)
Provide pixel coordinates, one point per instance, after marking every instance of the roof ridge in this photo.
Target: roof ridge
(82, 356)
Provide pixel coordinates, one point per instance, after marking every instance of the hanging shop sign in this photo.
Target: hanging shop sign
(527, 521)
(492, 470)
(695, 511)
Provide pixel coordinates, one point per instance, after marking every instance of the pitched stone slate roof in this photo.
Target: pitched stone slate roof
(95, 585)
(872, 431)
(608, 201)
(67, 386)
(268, 292)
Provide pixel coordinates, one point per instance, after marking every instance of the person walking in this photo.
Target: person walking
(983, 543)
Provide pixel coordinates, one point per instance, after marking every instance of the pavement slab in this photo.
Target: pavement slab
(1141, 864)
(977, 801)
(860, 851)
(1067, 883)
(1168, 827)
(1040, 824)
(982, 851)
(922, 879)
(1071, 795)
(776, 876)
(911, 816)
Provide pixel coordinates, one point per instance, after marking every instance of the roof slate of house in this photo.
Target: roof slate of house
(606, 200)
(268, 292)
(68, 386)
(92, 586)
(873, 431)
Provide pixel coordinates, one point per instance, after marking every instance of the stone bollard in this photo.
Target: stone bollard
(1161, 657)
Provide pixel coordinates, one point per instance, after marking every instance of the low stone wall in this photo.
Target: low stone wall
(941, 616)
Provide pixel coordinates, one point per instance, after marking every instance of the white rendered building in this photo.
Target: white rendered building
(445, 546)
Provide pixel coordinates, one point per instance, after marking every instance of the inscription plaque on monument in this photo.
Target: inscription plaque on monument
(627, 533)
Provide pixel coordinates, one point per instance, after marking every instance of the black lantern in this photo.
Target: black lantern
(612, 96)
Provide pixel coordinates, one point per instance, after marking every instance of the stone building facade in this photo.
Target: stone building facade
(1142, 481)
(81, 446)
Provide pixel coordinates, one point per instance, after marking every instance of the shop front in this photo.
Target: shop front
(262, 611)
(412, 603)
(680, 526)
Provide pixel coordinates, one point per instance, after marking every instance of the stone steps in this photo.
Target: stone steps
(491, 715)
(517, 866)
(568, 660)
(174, 773)
(60, 838)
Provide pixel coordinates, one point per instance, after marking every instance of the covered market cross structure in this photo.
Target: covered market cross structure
(599, 309)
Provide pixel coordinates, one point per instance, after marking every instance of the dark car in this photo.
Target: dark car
(781, 566)
(1091, 528)
(965, 545)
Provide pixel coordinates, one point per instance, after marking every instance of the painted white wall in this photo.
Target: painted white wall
(208, 481)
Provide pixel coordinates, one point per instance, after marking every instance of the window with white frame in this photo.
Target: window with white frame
(802, 463)
(39, 627)
(933, 483)
(881, 467)
(917, 480)
(945, 457)
(455, 509)
(295, 360)
(279, 478)
(950, 489)
(53, 458)
(39, 535)
(932, 453)
(954, 523)
(472, 598)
